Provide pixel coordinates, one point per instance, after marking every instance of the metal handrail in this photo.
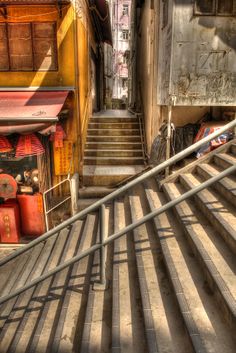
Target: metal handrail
(126, 230)
(47, 211)
(141, 135)
(119, 191)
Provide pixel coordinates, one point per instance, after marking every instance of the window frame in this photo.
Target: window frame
(34, 69)
(215, 12)
(125, 10)
(125, 31)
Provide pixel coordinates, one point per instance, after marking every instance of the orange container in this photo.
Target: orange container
(10, 222)
(32, 216)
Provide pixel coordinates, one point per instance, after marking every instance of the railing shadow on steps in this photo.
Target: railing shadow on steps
(101, 206)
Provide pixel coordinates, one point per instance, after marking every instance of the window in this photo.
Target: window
(125, 11)
(125, 34)
(28, 47)
(124, 83)
(215, 7)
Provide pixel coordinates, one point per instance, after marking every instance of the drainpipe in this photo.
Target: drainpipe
(76, 70)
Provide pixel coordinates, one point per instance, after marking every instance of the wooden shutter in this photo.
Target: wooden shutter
(20, 46)
(4, 62)
(45, 46)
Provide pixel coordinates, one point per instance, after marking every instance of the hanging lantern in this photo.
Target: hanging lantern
(5, 145)
(29, 145)
(58, 136)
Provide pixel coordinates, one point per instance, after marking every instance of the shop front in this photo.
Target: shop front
(33, 138)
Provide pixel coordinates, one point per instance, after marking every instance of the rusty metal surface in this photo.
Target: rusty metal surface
(201, 54)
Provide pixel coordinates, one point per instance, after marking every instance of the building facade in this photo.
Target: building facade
(51, 79)
(185, 60)
(121, 14)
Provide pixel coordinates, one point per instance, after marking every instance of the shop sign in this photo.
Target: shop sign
(62, 158)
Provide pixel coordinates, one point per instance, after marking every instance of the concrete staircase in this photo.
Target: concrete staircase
(171, 285)
(113, 150)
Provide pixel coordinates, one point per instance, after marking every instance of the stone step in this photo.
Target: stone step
(112, 132)
(97, 323)
(127, 323)
(44, 331)
(113, 145)
(113, 153)
(105, 119)
(233, 148)
(164, 331)
(108, 175)
(226, 186)
(95, 192)
(112, 125)
(200, 313)
(212, 253)
(224, 160)
(119, 139)
(86, 202)
(75, 299)
(21, 326)
(113, 161)
(219, 212)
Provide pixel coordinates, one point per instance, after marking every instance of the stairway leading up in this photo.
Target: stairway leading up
(113, 150)
(171, 285)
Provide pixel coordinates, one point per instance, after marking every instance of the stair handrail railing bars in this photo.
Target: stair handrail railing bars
(142, 135)
(100, 204)
(47, 210)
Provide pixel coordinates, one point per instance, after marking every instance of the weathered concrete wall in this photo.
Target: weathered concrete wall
(147, 68)
(198, 57)
(172, 45)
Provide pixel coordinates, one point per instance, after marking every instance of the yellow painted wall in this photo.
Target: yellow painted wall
(75, 36)
(86, 41)
(65, 74)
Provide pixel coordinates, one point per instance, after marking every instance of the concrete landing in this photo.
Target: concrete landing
(114, 113)
(104, 175)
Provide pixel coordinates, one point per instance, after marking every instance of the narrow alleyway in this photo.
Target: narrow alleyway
(104, 249)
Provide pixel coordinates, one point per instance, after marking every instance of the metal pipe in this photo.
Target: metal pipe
(102, 249)
(168, 138)
(120, 191)
(37, 88)
(123, 231)
(26, 119)
(57, 205)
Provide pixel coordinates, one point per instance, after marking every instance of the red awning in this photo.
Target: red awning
(25, 112)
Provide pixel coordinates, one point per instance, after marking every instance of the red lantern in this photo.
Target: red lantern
(5, 145)
(29, 145)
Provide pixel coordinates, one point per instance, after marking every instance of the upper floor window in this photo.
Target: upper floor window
(215, 7)
(125, 34)
(28, 46)
(125, 10)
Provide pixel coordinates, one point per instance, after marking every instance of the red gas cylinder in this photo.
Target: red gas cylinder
(32, 217)
(8, 186)
(9, 222)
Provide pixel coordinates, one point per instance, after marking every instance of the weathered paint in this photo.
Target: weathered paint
(75, 37)
(199, 62)
(65, 74)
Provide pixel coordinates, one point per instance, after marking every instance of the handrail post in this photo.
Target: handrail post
(102, 251)
(101, 285)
